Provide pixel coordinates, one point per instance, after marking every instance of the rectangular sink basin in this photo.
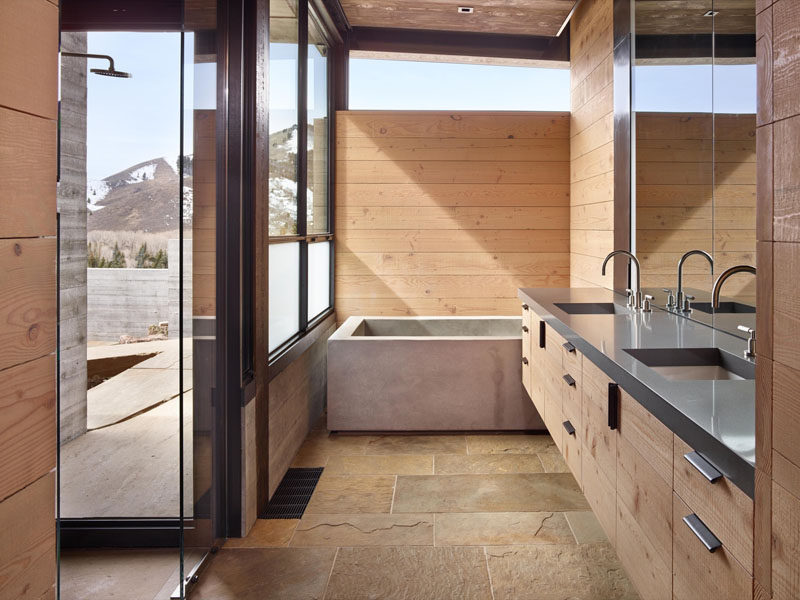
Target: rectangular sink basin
(724, 307)
(694, 364)
(592, 308)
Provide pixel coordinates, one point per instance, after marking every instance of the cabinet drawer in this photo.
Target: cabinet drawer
(599, 441)
(698, 573)
(722, 506)
(572, 361)
(571, 398)
(553, 418)
(647, 434)
(644, 519)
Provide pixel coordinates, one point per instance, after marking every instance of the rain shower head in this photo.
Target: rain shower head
(109, 72)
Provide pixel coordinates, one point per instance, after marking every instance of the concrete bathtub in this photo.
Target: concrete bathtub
(428, 374)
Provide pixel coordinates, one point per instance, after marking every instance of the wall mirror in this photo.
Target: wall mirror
(693, 153)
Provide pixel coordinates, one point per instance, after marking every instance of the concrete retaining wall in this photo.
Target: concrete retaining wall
(128, 301)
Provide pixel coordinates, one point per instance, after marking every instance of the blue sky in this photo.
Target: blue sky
(133, 120)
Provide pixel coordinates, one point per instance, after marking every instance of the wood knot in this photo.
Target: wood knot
(17, 249)
(383, 130)
(456, 117)
(510, 136)
(33, 332)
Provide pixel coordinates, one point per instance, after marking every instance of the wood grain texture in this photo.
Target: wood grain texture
(647, 435)
(27, 411)
(785, 411)
(698, 573)
(521, 17)
(592, 140)
(785, 544)
(29, 57)
(28, 542)
(204, 226)
(27, 299)
(448, 213)
(28, 172)
(600, 442)
(723, 507)
(695, 189)
(296, 400)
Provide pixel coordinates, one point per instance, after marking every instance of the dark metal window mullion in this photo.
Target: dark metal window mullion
(331, 95)
(302, 155)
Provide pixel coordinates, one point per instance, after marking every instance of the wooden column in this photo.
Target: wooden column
(777, 501)
(28, 113)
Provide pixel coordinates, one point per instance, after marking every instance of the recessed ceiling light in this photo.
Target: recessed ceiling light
(711, 13)
(465, 10)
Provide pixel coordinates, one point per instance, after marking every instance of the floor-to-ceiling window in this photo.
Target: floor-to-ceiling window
(301, 239)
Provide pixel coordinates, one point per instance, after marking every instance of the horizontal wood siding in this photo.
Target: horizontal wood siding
(449, 213)
(591, 142)
(696, 192)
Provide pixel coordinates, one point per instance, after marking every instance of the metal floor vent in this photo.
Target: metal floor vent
(293, 493)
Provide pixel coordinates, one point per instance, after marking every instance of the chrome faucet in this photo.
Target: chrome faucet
(637, 292)
(680, 302)
(750, 352)
(723, 277)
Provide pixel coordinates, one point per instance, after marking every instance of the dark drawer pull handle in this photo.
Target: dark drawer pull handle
(541, 334)
(524, 307)
(568, 347)
(706, 469)
(568, 426)
(525, 328)
(569, 379)
(524, 361)
(703, 533)
(613, 405)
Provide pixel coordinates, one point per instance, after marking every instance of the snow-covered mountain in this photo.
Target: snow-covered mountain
(143, 197)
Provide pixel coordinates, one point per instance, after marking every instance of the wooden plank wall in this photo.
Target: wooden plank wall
(443, 213)
(777, 500)
(591, 142)
(680, 206)
(28, 113)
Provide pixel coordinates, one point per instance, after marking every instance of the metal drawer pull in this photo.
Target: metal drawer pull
(613, 405)
(706, 469)
(703, 533)
(568, 347)
(568, 426)
(524, 361)
(524, 307)
(525, 328)
(541, 334)
(569, 379)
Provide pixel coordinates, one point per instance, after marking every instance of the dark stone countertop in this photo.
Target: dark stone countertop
(716, 418)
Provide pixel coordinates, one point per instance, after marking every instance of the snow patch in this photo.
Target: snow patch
(142, 173)
(96, 191)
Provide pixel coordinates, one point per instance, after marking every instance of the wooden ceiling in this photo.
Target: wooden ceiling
(679, 17)
(518, 17)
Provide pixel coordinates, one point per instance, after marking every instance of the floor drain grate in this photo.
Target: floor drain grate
(293, 493)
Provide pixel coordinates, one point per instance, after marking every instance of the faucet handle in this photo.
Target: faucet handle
(751, 341)
(646, 305)
(670, 297)
(687, 302)
(629, 291)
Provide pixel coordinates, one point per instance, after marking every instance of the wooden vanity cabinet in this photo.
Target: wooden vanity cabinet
(632, 470)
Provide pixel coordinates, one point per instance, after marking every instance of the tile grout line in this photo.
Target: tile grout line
(330, 574)
(488, 572)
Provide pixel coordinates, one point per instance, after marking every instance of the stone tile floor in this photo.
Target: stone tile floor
(427, 517)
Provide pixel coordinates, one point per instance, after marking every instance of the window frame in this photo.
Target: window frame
(308, 13)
